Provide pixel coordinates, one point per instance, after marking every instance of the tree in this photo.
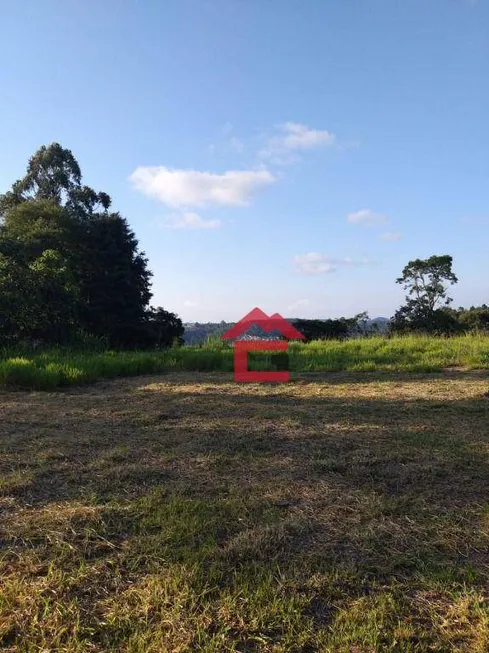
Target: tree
(340, 328)
(427, 300)
(476, 318)
(164, 328)
(69, 260)
(53, 174)
(114, 281)
(426, 281)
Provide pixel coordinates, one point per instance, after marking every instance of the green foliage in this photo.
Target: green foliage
(68, 265)
(426, 282)
(114, 281)
(53, 174)
(331, 329)
(201, 332)
(37, 299)
(414, 319)
(165, 328)
(33, 226)
(475, 318)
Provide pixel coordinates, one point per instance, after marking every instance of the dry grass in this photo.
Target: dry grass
(336, 513)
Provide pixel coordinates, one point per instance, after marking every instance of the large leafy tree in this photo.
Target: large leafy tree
(426, 309)
(67, 260)
(114, 281)
(53, 174)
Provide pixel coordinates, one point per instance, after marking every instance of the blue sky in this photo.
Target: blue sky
(290, 154)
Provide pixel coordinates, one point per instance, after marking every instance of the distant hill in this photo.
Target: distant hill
(198, 332)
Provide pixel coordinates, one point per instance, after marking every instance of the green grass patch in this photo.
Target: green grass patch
(60, 368)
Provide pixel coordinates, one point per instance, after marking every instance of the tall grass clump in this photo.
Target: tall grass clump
(412, 353)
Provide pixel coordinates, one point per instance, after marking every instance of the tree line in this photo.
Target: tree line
(70, 268)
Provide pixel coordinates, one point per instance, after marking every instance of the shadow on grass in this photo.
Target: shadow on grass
(344, 491)
(420, 450)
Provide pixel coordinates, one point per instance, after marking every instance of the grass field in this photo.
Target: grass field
(340, 513)
(47, 370)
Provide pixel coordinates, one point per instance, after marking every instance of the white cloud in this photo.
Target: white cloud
(314, 263)
(191, 220)
(367, 218)
(184, 188)
(293, 137)
(391, 236)
(300, 303)
(300, 137)
(190, 303)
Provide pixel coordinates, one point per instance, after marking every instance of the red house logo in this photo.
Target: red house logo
(274, 323)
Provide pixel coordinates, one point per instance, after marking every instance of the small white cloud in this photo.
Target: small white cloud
(190, 303)
(391, 236)
(300, 137)
(184, 188)
(190, 220)
(367, 218)
(314, 263)
(300, 303)
(227, 128)
(294, 137)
